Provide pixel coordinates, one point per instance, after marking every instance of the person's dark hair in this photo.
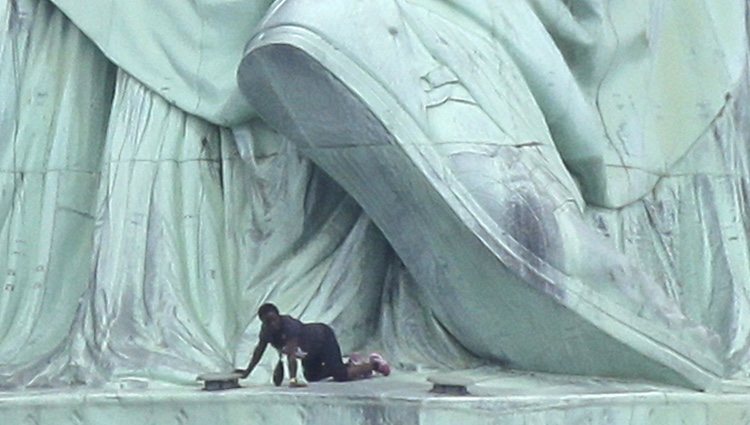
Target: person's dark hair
(267, 308)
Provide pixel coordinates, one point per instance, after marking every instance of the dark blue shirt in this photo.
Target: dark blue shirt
(291, 328)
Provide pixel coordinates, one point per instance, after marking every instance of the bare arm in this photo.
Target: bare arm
(257, 355)
(291, 349)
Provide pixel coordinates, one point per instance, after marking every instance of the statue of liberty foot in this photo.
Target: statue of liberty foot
(429, 125)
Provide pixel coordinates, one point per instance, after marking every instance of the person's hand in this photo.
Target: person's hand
(243, 372)
(293, 383)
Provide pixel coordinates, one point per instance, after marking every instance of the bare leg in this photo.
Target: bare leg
(359, 371)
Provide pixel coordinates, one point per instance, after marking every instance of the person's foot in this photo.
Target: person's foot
(381, 366)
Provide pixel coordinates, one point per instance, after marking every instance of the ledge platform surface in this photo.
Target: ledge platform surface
(403, 398)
